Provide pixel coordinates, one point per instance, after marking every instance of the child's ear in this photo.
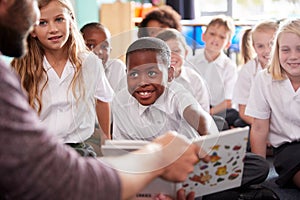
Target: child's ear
(228, 45)
(203, 37)
(33, 34)
(171, 73)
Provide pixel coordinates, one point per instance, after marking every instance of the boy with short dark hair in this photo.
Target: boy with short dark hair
(97, 38)
(152, 103)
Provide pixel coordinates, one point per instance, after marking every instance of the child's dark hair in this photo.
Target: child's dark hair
(151, 44)
(165, 15)
(92, 25)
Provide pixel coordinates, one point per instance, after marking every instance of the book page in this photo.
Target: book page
(225, 168)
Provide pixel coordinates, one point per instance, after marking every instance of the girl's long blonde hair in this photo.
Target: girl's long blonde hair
(30, 67)
(287, 26)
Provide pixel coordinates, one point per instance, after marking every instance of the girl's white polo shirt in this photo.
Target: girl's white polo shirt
(279, 102)
(245, 80)
(69, 120)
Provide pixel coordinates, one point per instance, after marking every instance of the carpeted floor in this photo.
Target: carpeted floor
(283, 194)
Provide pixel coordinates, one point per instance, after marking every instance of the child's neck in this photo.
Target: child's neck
(295, 82)
(57, 60)
(211, 55)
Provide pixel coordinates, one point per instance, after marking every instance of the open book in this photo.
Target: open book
(225, 169)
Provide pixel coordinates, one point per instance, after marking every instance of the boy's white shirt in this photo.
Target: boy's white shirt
(277, 101)
(115, 71)
(194, 83)
(135, 121)
(245, 80)
(70, 121)
(220, 75)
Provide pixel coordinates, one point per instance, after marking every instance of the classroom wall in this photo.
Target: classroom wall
(86, 11)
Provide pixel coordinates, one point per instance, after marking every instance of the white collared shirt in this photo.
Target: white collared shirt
(71, 121)
(115, 71)
(135, 121)
(194, 83)
(220, 75)
(277, 101)
(245, 80)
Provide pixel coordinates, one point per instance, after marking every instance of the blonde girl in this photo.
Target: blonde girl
(260, 39)
(63, 79)
(274, 104)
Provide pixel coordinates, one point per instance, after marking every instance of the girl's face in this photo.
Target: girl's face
(178, 54)
(289, 54)
(262, 44)
(54, 27)
(145, 77)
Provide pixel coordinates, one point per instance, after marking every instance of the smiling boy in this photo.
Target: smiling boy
(152, 103)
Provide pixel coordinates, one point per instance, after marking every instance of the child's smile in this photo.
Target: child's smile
(144, 77)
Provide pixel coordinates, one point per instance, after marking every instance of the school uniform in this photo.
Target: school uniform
(115, 71)
(245, 80)
(137, 122)
(70, 121)
(220, 75)
(278, 101)
(194, 83)
(243, 86)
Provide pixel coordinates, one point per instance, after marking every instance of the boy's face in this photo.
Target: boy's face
(145, 76)
(216, 38)
(97, 41)
(178, 54)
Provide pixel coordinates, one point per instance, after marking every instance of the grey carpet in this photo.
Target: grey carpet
(282, 193)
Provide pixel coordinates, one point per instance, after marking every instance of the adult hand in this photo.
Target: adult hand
(180, 196)
(179, 156)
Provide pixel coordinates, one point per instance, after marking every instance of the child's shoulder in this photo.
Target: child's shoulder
(88, 57)
(115, 63)
(91, 62)
(225, 58)
(176, 90)
(250, 67)
(264, 76)
(191, 74)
